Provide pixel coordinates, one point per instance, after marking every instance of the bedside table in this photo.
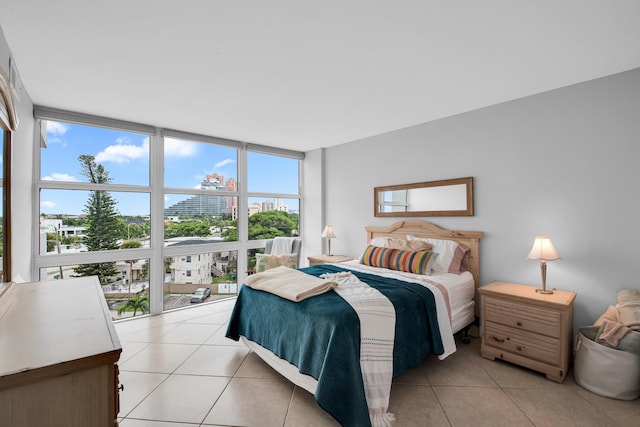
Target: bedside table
(527, 328)
(325, 259)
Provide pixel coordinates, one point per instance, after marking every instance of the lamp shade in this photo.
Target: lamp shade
(543, 250)
(328, 232)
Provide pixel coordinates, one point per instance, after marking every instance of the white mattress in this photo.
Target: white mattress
(461, 291)
(460, 287)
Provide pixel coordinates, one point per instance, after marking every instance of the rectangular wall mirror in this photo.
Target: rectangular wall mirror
(447, 197)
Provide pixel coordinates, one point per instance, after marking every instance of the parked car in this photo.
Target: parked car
(200, 295)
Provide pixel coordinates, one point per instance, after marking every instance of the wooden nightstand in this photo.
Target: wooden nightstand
(527, 328)
(324, 259)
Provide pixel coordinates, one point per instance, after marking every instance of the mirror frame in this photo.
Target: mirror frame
(467, 181)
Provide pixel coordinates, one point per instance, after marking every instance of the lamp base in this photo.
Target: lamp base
(543, 273)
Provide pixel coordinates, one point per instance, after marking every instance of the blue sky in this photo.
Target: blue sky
(125, 155)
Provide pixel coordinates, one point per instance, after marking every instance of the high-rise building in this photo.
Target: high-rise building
(199, 204)
(204, 204)
(255, 208)
(268, 205)
(216, 205)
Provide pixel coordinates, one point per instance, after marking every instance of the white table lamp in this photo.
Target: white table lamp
(328, 234)
(544, 251)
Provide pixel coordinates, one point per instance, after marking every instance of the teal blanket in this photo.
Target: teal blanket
(321, 336)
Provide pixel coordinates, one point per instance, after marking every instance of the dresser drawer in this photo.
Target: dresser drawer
(527, 344)
(521, 316)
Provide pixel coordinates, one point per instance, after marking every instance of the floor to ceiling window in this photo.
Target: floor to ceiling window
(95, 198)
(273, 206)
(200, 199)
(156, 214)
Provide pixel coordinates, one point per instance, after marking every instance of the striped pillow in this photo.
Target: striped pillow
(418, 262)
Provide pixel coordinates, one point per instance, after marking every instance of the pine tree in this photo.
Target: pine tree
(102, 232)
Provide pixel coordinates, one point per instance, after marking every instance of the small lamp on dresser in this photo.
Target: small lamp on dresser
(328, 234)
(544, 251)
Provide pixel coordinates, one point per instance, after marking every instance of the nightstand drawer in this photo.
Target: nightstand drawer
(522, 316)
(532, 346)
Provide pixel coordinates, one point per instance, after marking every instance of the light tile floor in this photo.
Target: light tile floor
(179, 370)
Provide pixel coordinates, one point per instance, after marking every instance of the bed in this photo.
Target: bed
(345, 349)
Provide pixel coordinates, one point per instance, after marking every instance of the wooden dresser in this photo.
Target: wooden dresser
(58, 350)
(528, 328)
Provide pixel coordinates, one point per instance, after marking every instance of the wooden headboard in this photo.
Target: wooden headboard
(418, 228)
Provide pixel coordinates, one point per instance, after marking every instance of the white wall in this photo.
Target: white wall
(563, 163)
(22, 188)
(312, 208)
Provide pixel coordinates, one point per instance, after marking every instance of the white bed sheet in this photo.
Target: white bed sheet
(460, 287)
(461, 291)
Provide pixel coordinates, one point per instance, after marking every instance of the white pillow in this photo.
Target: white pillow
(405, 245)
(451, 254)
(266, 261)
(379, 241)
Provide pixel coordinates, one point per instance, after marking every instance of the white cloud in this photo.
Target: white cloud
(59, 177)
(179, 148)
(47, 204)
(223, 163)
(54, 140)
(56, 128)
(123, 152)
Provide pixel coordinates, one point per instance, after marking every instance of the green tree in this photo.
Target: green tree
(230, 234)
(79, 222)
(187, 229)
(138, 302)
(134, 228)
(144, 270)
(51, 242)
(266, 225)
(128, 244)
(279, 220)
(102, 221)
(70, 240)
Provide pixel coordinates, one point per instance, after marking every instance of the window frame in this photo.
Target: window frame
(270, 195)
(157, 251)
(8, 124)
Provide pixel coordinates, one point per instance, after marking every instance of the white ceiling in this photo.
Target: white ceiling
(307, 74)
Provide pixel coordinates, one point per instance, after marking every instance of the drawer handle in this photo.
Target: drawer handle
(500, 340)
(121, 387)
(519, 323)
